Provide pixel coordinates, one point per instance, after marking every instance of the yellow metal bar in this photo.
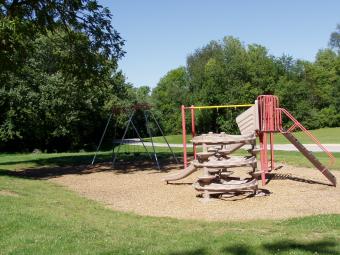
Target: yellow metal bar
(220, 106)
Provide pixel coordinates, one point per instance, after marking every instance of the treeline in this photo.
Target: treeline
(59, 79)
(230, 72)
(58, 76)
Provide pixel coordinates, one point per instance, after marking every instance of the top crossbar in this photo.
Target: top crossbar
(219, 106)
(192, 109)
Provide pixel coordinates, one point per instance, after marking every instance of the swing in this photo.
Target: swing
(145, 108)
(115, 144)
(136, 151)
(133, 147)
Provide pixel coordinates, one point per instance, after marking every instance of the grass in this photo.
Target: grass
(16, 161)
(175, 139)
(295, 158)
(42, 218)
(39, 217)
(325, 135)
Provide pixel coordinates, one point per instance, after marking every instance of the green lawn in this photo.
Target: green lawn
(295, 158)
(176, 139)
(39, 217)
(325, 135)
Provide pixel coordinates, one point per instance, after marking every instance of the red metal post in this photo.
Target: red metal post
(272, 120)
(184, 137)
(263, 156)
(193, 131)
(272, 151)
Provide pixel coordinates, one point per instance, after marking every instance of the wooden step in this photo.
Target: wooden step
(204, 155)
(225, 188)
(206, 178)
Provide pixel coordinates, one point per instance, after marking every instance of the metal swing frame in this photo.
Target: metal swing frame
(145, 108)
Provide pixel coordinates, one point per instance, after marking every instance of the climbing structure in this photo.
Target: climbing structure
(216, 160)
(260, 120)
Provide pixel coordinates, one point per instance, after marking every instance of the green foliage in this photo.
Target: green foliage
(334, 41)
(143, 94)
(170, 93)
(229, 72)
(58, 74)
(57, 99)
(86, 16)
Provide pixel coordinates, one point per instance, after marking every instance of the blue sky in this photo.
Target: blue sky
(161, 34)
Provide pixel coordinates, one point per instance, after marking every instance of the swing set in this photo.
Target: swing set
(192, 109)
(117, 143)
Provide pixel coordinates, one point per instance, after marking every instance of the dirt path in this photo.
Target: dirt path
(295, 192)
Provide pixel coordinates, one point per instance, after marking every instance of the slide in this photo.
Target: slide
(323, 169)
(184, 173)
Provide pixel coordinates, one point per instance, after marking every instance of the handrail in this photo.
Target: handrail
(219, 106)
(298, 124)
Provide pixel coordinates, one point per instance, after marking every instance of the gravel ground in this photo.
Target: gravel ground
(138, 188)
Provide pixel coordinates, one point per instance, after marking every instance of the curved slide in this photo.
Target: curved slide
(184, 173)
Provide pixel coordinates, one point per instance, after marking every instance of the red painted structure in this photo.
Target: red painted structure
(270, 122)
(270, 118)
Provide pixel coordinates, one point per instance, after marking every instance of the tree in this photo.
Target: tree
(60, 97)
(196, 65)
(85, 16)
(171, 92)
(230, 72)
(143, 94)
(58, 73)
(334, 40)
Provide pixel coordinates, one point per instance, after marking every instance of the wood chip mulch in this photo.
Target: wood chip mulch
(138, 188)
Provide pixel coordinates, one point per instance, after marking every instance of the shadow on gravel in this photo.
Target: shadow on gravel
(278, 176)
(80, 165)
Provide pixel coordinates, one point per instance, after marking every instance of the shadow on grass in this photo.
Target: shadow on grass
(323, 247)
(199, 251)
(239, 250)
(80, 164)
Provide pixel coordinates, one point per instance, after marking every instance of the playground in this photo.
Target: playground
(137, 188)
(220, 188)
(226, 188)
(139, 201)
(169, 128)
